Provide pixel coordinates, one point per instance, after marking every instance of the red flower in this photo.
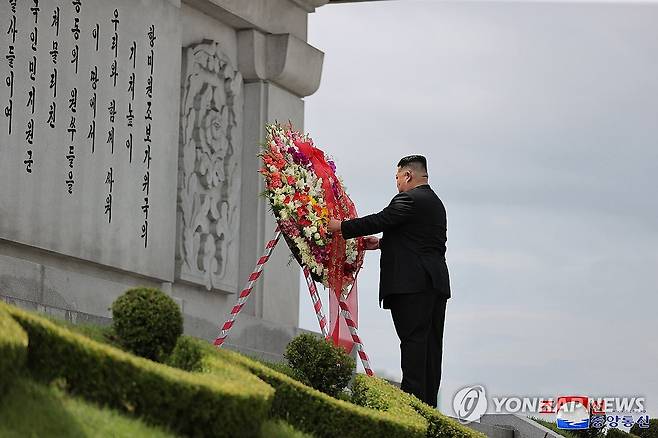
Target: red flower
(275, 180)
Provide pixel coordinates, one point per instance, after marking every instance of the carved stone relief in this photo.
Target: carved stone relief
(208, 207)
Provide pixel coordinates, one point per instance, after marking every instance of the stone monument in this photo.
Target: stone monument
(129, 134)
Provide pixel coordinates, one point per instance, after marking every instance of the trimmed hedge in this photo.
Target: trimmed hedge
(314, 412)
(377, 393)
(189, 404)
(380, 410)
(13, 350)
(441, 425)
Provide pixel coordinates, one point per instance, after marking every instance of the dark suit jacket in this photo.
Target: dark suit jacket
(413, 246)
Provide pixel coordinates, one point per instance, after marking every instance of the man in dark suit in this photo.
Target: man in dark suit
(414, 282)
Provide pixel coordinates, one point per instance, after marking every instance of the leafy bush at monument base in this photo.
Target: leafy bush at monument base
(327, 367)
(13, 350)
(187, 355)
(147, 322)
(186, 403)
(651, 432)
(377, 393)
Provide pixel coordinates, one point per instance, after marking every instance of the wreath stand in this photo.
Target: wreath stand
(344, 311)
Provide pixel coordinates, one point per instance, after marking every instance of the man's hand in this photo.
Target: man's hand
(371, 242)
(334, 225)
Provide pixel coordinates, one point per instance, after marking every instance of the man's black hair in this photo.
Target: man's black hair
(416, 162)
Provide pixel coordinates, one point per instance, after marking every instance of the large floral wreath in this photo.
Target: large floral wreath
(304, 192)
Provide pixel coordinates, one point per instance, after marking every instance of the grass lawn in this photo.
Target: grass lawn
(99, 333)
(35, 410)
(32, 409)
(280, 429)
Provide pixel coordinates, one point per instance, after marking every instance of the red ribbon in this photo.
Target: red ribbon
(322, 170)
(341, 208)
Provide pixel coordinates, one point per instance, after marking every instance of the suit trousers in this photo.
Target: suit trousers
(419, 320)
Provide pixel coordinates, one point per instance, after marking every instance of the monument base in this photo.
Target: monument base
(82, 293)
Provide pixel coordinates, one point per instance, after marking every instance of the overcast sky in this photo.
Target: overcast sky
(540, 124)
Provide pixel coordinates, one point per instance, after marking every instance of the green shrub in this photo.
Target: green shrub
(377, 393)
(325, 366)
(651, 432)
(13, 350)
(189, 404)
(147, 322)
(317, 413)
(187, 355)
(592, 432)
(553, 426)
(286, 369)
(616, 433)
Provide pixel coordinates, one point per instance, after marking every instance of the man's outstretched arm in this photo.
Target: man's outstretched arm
(396, 213)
